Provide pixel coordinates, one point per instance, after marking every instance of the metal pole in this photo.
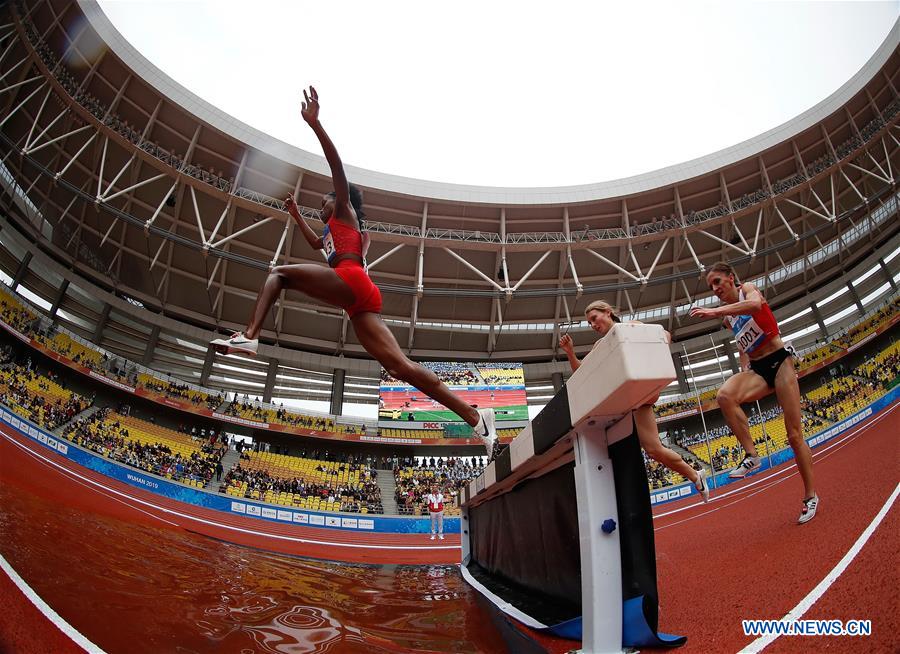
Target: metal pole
(712, 464)
(765, 439)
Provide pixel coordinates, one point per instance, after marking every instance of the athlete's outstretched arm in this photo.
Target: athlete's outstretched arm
(752, 304)
(310, 112)
(315, 242)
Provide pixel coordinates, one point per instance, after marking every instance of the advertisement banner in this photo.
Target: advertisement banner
(219, 502)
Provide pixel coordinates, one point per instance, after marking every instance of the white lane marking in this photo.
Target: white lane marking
(806, 603)
(253, 532)
(101, 491)
(762, 479)
(824, 455)
(48, 612)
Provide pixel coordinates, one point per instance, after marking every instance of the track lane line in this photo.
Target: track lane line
(222, 525)
(74, 635)
(807, 602)
(823, 452)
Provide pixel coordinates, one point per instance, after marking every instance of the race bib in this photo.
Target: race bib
(747, 333)
(328, 243)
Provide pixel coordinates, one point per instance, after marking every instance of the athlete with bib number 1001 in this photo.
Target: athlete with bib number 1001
(345, 283)
(765, 365)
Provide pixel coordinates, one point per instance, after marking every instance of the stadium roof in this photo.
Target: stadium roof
(178, 205)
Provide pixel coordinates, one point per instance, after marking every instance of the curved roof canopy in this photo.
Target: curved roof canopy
(167, 199)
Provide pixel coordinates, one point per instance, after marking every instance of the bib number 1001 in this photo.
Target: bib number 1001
(747, 339)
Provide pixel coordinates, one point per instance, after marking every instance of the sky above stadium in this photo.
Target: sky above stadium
(510, 93)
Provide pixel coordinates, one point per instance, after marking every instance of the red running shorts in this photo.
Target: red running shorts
(368, 297)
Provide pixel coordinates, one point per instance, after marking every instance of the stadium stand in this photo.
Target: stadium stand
(14, 312)
(883, 367)
(147, 446)
(816, 356)
(252, 410)
(684, 404)
(305, 483)
(41, 399)
(840, 398)
(63, 344)
(858, 332)
(830, 402)
(178, 391)
(436, 434)
(414, 483)
(768, 433)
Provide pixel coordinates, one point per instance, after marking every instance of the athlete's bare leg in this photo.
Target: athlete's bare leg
(739, 388)
(377, 339)
(319, 282)
(648, 435)
(787, 389)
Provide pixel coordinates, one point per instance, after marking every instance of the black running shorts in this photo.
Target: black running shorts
(767, 366)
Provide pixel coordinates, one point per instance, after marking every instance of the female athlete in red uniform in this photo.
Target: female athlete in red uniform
(346, 284)
(766, 365)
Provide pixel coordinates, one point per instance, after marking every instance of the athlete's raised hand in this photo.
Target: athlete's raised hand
(310, 107)
(565, 342)
(700, 312)
(290, 205)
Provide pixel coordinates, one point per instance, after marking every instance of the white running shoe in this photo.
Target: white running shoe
(432, 536)
(745, 467)
(441, 536)
(237, 344)
(809, 509)
(702, 486)
(486, 431)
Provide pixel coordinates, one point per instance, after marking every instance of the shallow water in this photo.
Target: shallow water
(133, 587)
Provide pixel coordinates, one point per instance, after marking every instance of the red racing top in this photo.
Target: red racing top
(751, 331)
(341, 238)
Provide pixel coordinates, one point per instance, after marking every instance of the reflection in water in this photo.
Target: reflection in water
(138, 588)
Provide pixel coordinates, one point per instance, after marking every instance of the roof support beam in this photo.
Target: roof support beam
(420, 271)
(474, 269)
(22, 103)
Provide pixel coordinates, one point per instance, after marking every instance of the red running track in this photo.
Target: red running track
(742, 556)
(31, 467)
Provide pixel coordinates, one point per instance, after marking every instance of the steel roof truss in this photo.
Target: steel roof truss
(510, 291)
(852, 185)
(787, 226)
(37, 118)
(15, 66)
(871, 174)
(613, 264)
(22, 104)
(18, 84)
(656, 260)
(34, 147)
(474, 269)
(723, 242)
(823, 216)
(386, 255)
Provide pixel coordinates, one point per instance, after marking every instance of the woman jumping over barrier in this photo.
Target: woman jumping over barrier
(765, 365)
(601, 317)
(346, 284)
